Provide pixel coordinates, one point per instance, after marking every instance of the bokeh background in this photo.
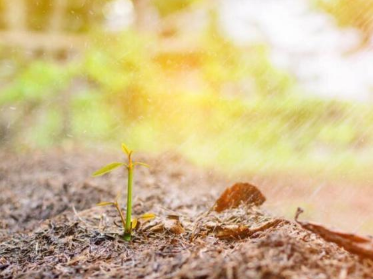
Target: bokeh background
(279, 92)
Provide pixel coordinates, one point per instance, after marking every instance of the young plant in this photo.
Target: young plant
(128, 224)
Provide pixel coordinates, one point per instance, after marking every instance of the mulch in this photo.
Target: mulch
(50, 226)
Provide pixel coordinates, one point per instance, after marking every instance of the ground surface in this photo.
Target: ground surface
(51, 228)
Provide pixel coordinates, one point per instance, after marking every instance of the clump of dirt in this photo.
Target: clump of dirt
(50, 226)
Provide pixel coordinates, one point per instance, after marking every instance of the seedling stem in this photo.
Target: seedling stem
(127, 224)
(127, 232)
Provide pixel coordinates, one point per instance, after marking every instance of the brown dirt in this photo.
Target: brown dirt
(51, 228)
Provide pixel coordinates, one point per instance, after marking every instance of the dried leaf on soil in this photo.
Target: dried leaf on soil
(174, 226)
(359, 245)
(141, 220)
(134, 223)
(170, 224)
(240, 232)
(239, 193)
(147, 216)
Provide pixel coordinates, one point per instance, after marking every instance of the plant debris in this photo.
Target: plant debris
(240, 232)
(77, 239)
(239, 193)
(359, 245)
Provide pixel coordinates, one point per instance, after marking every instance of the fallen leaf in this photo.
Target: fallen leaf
(156, 228)
(239, 193)
(356, 244)
(134, 223)
(147, 216)
(233, 232)
(168, 224)
(174, 226)
(240, 232)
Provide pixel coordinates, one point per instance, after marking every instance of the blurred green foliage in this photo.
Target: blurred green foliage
(217, 104)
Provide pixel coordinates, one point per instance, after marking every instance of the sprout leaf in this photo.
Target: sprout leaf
(142, 164)
(107, 169)
(125, 149)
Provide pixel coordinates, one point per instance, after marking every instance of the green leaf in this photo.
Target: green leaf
(125, 149)
(107, 169)
(141, 164)
(105, 203)
(147, 216)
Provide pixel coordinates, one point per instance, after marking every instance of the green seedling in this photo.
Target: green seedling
(128, 223)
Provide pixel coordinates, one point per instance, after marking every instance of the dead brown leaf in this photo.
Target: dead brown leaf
(232, 232)
(240, 232)
(174, 226)
(356, 244)
(239, 193)
(171, 224)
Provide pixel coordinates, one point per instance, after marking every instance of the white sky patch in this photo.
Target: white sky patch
(305, 42)
(119, 15)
